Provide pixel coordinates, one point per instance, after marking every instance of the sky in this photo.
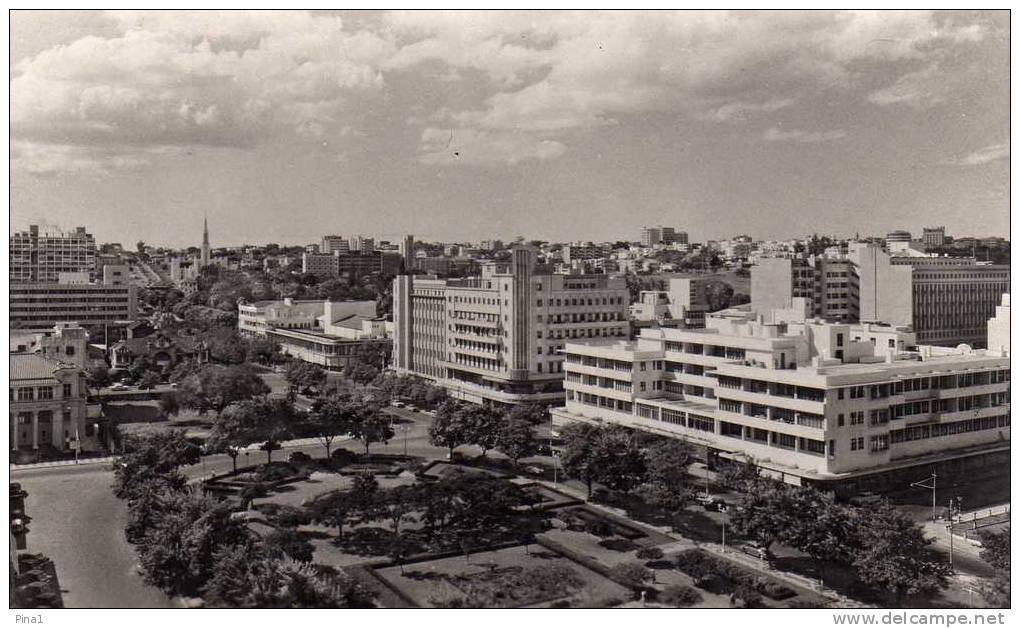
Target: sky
(462, 126)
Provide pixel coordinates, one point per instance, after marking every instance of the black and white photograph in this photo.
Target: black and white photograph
(437, 310)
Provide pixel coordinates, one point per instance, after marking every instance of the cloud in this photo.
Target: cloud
(804, 137)
(474, 147)
(176, 79)
(923, 88)
(563, 73)
(986, 155)
(738, 111)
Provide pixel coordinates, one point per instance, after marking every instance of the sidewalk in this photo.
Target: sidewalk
(290, 444)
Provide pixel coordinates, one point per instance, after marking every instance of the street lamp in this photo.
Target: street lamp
(923, 484)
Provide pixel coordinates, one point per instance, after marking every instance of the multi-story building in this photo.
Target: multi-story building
(829, 286)
(650, 236)
(40, 258)
(998, 327)
(47, 403)
(42, 305)
(407, 252)
(330, 334)
(947, 301)
(363, 245)
(810, 402)
(333, 244)
(495, 339)
(337, 264)
(934, 237)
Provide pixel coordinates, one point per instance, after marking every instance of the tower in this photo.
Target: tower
(205, 242)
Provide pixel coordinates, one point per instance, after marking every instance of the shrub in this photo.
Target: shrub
(284, 516)
(633, 575)
(650, 553)
(609, 602)
(774, 590)
(680, 596)
(299, 457)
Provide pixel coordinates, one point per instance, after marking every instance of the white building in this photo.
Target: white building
(775, 394)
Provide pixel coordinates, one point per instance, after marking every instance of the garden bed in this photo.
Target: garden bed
(441, 469)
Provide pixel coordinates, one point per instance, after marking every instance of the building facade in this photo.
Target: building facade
(495, 339)
(65, 342)
(39, 305)
(40, 257)
(47, 403)
(258, 318)
(934, 237)
(778, 395)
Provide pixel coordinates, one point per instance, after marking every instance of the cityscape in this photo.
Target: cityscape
(237, 404)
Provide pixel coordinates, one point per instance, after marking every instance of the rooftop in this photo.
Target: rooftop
(34, 366)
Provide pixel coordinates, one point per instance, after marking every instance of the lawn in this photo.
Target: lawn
(503, 579)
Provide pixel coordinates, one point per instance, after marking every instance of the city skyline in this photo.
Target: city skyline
(282, 127)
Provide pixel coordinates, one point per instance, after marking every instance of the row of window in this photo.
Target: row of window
(38, 393)
(921, 432)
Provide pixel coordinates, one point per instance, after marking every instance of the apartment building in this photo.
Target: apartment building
(47, 403)
(336, 264)
(828, 286)
(584, 252)
(814, 402)
(40, 257)
(334, 243)
(934, 237)
(496, 338)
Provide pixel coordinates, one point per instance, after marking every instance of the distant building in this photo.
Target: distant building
(584, 252)
(160, 350)
(205, 255)
(334, 244)
(40, 258)
(828, 285)
(934, 237)
(258, 318)
(363, 245)
(407, 252)
(495, 339)
(42, 305)
(650, 236)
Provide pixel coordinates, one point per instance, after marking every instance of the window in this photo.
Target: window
(26, 394)
(67, 390)
(69, 350)
(643, 386)
(839, 395)
(46, 392)
(538, 334)
(840, 419)
(839, 340)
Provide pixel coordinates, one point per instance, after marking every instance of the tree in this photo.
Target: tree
(821, 528)
(766, 511)
(217, 387)
(269, 422)
(98, 377)
(370, 428)
(631, 574)
(252, 492)
(607, 455)
(168, 404)
(533, 413)
(450, 428)
(895, 555)
(151, 455)
(516, 439)
(485, 425)
(332, 509)
(303, 376)
(398, 503)
(176, 553)
(288, 543)
(148, 380)
(361, 372)
(995, 549)
(667, 482)
(331, 417)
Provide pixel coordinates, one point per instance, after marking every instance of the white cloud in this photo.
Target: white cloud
(474, 147)
(737, 111)
(175, 78)
(597, 68)
(985, 155)
(923, 88)
(804, 137)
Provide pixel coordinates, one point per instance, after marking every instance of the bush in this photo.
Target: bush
(284, 516)
(299, 457)
(609, 602)
(775, 590)
(680, 596)
(633, 575)
(650, 553)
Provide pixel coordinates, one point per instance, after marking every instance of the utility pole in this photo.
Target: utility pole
(922, 484)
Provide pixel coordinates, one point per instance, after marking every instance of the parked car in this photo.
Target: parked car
(412, 408)
(712, 502)
(398, 404)
(752, 548)
(119, 386)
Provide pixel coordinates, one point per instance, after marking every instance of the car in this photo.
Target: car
(754, 549)
(397, 404)
(119, 386)
(412, 408)
(534, 470)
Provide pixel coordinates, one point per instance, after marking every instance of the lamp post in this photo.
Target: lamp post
(923, 484)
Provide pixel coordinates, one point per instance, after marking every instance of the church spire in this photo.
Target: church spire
(205, 259)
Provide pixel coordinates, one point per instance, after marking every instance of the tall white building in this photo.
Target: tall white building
(496, 339)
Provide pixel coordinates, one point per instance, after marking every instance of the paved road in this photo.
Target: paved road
(77, 521)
